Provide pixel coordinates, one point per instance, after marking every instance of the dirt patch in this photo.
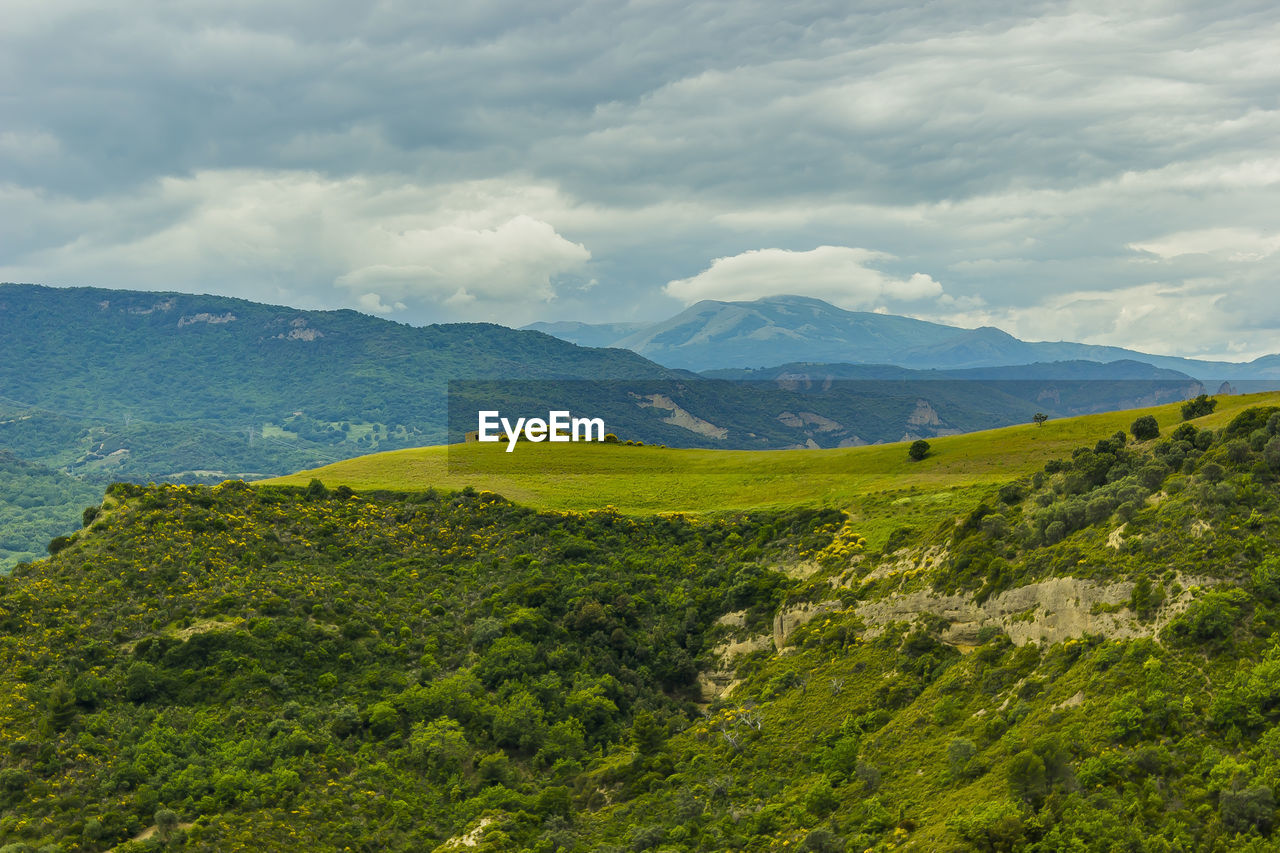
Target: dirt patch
(201, 626)
(923, 415)
(150, 832)
(471, 838)
(1073, 701)
(912, 562)
(679, 417)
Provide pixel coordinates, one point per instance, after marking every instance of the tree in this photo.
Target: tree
(60, 710)
(439, 746)
(647, 734)
(1199, 407)
(1247, 810)
(1039, 418)
(959, 755)
(1145, 428)
(994, 827)
(166, 823)
(1027, 777)
(919, 449)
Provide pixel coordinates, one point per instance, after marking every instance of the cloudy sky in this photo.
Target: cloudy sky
(1103, 172)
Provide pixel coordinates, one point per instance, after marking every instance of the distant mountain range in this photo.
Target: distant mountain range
(102, 385)
(236, 387)
(713, 335)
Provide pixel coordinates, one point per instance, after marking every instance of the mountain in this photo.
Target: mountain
(1079, 370)
(1082, 657)
(782, 329)
(120, 385)
(587, 334)
(107, 385)
(175, 356)
(113, 384)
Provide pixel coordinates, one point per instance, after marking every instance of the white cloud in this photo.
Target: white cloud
(1239, 245)
(515, 260)
(373, 304)
(838, 274)
(1024, 153)
(1189, 318)
(381, 246)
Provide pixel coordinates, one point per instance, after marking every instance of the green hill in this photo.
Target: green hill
(877, 484)
(36, 504)
(1083, 658)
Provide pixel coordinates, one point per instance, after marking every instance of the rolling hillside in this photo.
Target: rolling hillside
(878, 482)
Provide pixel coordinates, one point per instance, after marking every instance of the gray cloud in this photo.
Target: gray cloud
(1046, 165)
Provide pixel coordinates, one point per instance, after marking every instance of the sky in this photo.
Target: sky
(1099, 172)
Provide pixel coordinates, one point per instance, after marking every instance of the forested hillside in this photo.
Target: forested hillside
(36, 504)
(259, 387)
(1084, 659)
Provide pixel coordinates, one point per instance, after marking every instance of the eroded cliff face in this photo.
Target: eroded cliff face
(1049, 611)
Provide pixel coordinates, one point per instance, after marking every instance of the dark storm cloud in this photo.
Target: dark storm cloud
(1047, 165)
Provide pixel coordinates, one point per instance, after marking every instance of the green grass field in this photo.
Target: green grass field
(876, 484)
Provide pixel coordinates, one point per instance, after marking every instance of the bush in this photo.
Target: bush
(1199, 407)
(919, 449)
(1247, 810)
(1212, 617)
(959, 757)
(1252, 418)
(1145, 428)
(993, 827)
(822, 841)
(1010, 493)
(1027, 777)
(821, 800)
(1271, 453)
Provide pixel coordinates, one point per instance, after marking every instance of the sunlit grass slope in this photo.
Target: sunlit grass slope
(877, 484)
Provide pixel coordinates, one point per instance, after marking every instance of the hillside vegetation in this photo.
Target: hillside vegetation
(36, 504)
(1084, 658)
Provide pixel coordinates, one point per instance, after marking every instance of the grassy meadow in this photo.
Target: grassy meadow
(877, 484)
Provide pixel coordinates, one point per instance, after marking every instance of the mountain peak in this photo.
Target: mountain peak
(788, 328)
